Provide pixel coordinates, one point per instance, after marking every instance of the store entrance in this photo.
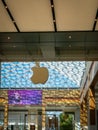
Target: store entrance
(50, 120)
(36, 120)
(59, 120)
(52, 123)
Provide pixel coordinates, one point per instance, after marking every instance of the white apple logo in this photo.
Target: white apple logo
(40, 74)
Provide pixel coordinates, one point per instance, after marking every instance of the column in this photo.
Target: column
(84, 113)
(32, 119)
(43, 117)
(77, 119)
(6, 116)
(39, 120)
(92, 120)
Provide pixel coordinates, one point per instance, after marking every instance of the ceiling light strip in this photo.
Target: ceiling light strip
(53, 15)
(10, 15)
(95, 21)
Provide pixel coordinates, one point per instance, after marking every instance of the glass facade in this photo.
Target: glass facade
(61, 75)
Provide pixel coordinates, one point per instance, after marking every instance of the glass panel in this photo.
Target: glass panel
(61, 74)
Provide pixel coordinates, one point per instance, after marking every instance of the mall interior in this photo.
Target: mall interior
(48, 65)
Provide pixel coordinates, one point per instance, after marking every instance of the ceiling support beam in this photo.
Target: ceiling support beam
(10, 15)
(48, 52)
(84, 113)
(90, 80)
(53, 15)
(95, 21)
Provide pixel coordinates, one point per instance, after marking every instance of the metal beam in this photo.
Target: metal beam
(53, 15)
(95, 21)
(10, 15)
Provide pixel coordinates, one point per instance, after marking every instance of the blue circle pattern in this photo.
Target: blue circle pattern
(61, 74)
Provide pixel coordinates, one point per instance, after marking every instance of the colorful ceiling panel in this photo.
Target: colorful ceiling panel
(61, 75)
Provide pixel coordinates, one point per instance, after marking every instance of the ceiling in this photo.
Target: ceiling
(49, 30)
(48, 15)
(62, 75)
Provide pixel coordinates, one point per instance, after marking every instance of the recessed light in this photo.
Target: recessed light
(69, 45)
(54, 20)
(8, 38)
(14, 46)
(70, 37)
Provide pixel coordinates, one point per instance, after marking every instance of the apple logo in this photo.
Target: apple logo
(40, 74)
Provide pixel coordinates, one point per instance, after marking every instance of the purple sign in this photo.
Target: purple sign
(25, 97)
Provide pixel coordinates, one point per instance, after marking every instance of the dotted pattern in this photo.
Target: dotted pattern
(61, 74)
